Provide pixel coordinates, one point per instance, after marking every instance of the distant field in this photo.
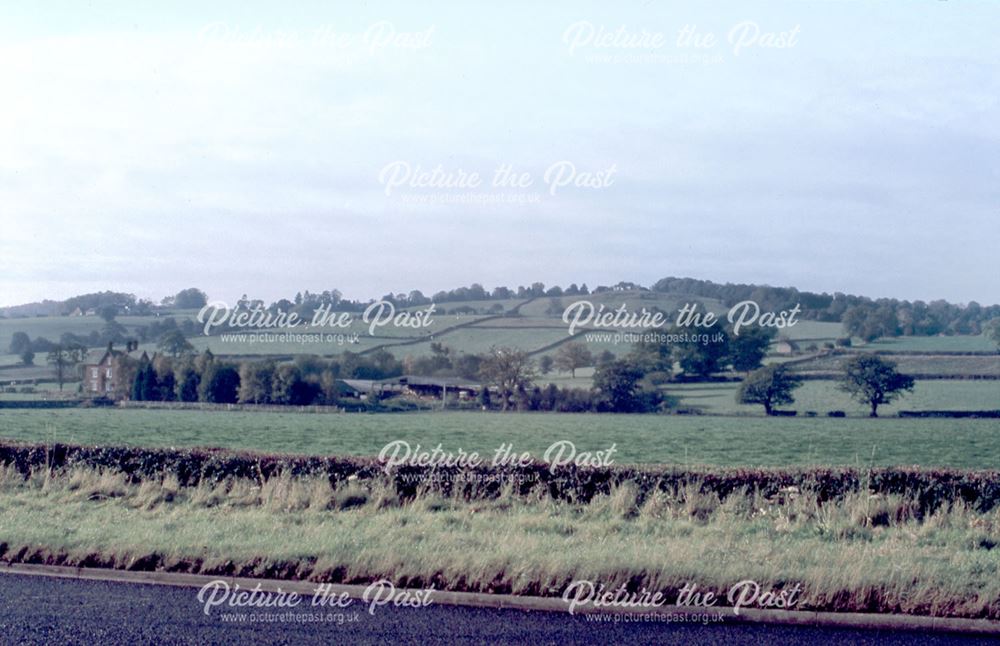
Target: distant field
(816, 331)
(823, 396)
(246, 345)
(522, 322)
(942, 364)
(733, 441)
(473, 340)
(536, 328)
(50, 327)
(964, 343)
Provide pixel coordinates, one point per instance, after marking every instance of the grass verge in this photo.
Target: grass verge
(861, 552)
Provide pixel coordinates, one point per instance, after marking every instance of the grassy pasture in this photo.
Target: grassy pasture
(924, 364)
(960, 343)
(686, 440)
(815, 331)
(474, 340)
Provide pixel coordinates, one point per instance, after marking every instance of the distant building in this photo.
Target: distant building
(109, 375)
(786, 346)
(434, 386)
(412, 385)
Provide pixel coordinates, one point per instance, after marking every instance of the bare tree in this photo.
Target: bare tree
(572, 356)
(64, 358)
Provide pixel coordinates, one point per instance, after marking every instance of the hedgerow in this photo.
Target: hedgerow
(929, 488)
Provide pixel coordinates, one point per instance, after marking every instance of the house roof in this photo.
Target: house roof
(359, 385)
(117, 354)
(371, 385)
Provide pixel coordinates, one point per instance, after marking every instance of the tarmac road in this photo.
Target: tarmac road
(48, 610)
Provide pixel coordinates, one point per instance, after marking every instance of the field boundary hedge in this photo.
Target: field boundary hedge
(975, 414)
(206, 406)
(40, 403)
(929, 489)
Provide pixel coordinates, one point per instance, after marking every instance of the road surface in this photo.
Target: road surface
(47, 610)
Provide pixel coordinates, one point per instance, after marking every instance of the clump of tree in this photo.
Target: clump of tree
(621, 389)
(769, 386)
(117, 302)
(862, 316)
(699, 358)
(701, 352)
(310, 379)
(874, 381)
(187, 299)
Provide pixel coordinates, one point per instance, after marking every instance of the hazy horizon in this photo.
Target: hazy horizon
(251, 150)
(360, 297)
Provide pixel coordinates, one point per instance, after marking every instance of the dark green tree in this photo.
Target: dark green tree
(769, 386)
(256, 378)
(874, 381)
(145, 384)
(748, 348)
(621, 389)
(19, 342)
(704, 352)
(190, 299)
(220, 384)
(187, 382)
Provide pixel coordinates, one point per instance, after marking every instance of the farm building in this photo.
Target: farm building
(358, 388)
(110, 373)
(435, 386)
(786, 347)
(413, 385)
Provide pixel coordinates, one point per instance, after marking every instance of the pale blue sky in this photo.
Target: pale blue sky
(148, 147)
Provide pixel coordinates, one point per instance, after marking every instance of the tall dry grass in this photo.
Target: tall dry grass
(861, 552)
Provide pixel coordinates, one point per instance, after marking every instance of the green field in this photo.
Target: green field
(961, 343)
(916, 365)
(688, 440)
(813, 332)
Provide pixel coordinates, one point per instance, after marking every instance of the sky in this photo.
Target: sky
(831, 145)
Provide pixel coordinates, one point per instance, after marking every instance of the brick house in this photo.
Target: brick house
(112, 374)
